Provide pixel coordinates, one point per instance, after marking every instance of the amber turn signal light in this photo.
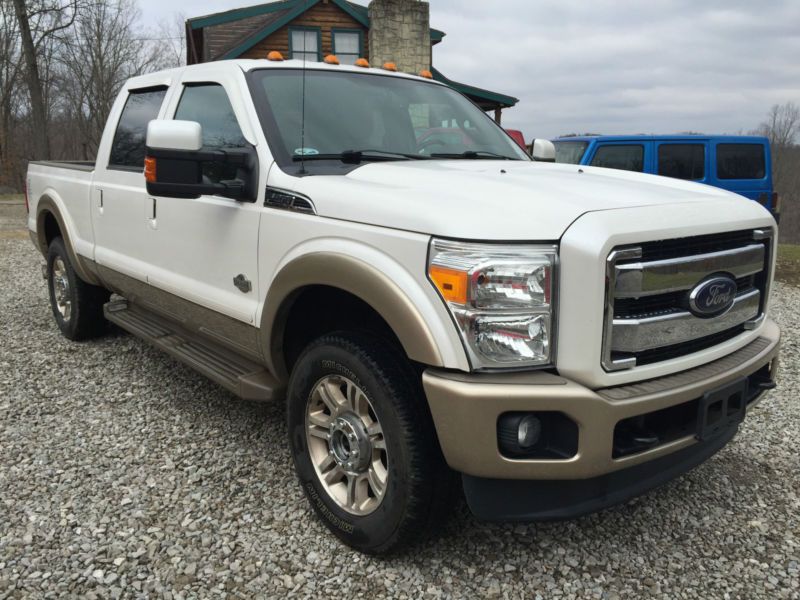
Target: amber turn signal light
(150, 169)
(452, 284)
(275, 55)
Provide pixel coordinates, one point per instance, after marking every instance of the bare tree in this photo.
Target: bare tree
(104, 51)
(39, 21)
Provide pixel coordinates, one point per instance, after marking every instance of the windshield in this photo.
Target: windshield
(376, 116)
(570, 152)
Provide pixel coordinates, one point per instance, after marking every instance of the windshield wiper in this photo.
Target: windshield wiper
(355, 157)
(473, 155)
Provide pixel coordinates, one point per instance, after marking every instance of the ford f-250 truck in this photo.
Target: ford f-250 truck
(558, 337)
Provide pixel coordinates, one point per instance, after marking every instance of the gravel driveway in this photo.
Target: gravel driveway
(124, 474)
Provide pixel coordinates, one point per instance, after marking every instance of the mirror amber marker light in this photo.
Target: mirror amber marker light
(150, 169)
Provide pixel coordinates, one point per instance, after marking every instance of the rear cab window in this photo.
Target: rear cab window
(627, 157)
(682, 161)
(741, 161)
(128, 147)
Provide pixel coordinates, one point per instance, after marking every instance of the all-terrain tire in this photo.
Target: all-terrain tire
(419, 488)
(77, 306)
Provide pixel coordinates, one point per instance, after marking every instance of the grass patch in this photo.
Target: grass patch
(788, 266)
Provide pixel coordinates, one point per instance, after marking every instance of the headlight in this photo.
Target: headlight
(501, 298)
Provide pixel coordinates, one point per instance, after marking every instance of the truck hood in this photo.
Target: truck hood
(488, 199)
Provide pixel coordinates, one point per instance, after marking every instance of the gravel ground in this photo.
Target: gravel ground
(124, 474)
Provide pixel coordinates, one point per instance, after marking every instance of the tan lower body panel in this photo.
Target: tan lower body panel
(465, 410)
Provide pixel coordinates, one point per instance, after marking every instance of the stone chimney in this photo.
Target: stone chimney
(400, 32)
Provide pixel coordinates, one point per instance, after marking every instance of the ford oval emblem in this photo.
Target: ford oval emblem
(712, 297)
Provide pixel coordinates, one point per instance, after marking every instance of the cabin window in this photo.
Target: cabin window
(347, 45)
(304, 44)
(141, 107)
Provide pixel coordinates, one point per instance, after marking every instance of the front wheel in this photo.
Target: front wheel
(363, 443)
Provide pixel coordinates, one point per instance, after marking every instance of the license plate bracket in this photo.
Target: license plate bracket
(722, 408)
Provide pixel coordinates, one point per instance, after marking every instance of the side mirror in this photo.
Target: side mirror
(543, 151)
(177, 166)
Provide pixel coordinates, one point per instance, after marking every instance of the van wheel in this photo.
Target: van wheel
(364, 445)
(77, 306)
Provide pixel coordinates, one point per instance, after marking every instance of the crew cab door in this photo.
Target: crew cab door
(205, 250)
(118, 191)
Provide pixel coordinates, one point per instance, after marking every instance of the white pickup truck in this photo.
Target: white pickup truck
(434, 306)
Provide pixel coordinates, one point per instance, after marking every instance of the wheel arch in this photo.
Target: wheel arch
(51, 223)
(344, 274)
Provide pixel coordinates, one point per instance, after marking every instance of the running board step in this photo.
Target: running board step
(241, 376)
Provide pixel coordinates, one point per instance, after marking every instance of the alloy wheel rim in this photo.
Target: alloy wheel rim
(61, 290)
(346, 445)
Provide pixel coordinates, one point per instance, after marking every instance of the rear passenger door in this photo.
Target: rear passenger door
(627, 156)
(118, 193)
(199, 248)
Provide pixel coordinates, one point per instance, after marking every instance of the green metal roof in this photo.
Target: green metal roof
(359, 12)
(476, 92)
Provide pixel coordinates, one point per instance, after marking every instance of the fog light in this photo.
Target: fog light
(517, 433)
(529, 431)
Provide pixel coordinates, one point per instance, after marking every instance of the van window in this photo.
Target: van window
(740, 161)
(682, 161)
(570, 152)
(625, 157)
(141, 107)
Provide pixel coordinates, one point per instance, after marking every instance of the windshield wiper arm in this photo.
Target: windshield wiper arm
(473, 154)
(358, 156)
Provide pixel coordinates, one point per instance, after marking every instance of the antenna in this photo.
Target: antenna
(303, 105)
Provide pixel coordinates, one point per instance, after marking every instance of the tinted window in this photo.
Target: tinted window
(570, 152)
(740, 161)
(208, 104)
(127, 150)
(682, 161)
(627, 158)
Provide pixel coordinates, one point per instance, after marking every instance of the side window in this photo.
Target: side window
(740, 161)
(141, 107)
(682, 161)
(208, 104)
(627, 158)
(347, 46)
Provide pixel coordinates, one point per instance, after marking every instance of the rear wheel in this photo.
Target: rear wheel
(364, 445)
(77, 306)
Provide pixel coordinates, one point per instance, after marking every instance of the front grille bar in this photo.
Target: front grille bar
(641, 278)
(661, 276)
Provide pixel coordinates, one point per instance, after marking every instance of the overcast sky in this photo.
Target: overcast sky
(611, 66)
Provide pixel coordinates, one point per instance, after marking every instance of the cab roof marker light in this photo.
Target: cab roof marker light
(275, 56)
(331, 59)
(363, 63)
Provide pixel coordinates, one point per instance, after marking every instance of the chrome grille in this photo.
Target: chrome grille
(647, 316)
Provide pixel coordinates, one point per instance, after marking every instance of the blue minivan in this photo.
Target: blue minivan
(740, 164)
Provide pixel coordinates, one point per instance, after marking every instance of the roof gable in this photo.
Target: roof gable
(359, 12)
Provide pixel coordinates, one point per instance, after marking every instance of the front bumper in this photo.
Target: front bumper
(466, 409)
